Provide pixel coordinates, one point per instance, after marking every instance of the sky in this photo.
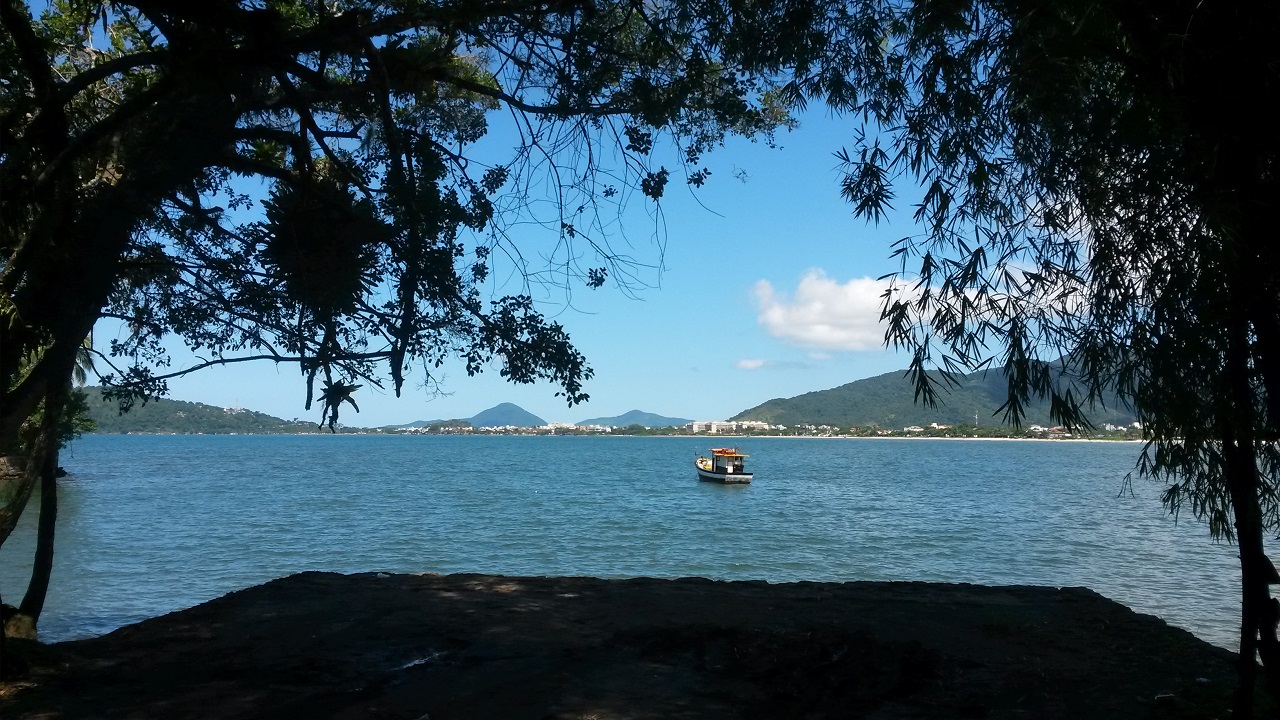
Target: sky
(767, 290)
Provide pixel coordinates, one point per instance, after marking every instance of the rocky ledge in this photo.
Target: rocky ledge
(474, 646)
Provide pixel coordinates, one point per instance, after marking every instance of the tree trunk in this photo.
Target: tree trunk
(1241, 476)
(23, 623)
(15, 492)
(15, 488)
(43, 463)
(1258, 612)
(16, 485)
(84, 229)
(3, 664)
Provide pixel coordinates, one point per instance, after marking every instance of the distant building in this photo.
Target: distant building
(717, 427)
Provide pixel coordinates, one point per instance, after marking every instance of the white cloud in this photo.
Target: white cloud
(823, 313)
(749, 364)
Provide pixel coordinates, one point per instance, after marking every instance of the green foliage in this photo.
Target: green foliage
(75, 417)
(447, 425)
(75, 420)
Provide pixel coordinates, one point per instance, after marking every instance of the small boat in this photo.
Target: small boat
(724, 466)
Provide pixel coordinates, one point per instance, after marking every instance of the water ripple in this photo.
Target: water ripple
(153, 524)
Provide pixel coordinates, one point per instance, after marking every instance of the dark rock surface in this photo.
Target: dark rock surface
(471, 646)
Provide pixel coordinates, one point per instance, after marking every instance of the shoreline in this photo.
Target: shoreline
(901, 437)
(611, 435)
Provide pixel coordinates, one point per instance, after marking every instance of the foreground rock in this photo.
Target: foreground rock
(471, 646)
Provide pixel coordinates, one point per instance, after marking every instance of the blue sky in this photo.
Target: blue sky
(767, 291)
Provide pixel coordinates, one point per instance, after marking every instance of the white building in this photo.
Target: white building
(717, 427)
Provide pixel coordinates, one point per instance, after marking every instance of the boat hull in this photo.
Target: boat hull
(726, 478)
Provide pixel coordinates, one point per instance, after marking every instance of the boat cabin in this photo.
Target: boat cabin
(726, 460)
(724, 465)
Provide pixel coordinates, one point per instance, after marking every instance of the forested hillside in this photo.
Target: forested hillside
(637, 417)
(177, 416)
(887, 400)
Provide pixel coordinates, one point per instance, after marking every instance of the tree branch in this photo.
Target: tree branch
(102, 71)
(351, 357)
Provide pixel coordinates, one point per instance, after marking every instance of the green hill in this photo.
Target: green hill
(506, 414)
(414, 424)
(637, 417)
(177, 416)
(887, 400)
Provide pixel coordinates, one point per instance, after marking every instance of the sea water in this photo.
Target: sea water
(152, 524)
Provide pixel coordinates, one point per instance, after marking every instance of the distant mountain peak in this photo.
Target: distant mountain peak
(504, 414)
(636, 417)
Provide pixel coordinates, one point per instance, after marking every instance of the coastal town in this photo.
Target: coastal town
(749, 428)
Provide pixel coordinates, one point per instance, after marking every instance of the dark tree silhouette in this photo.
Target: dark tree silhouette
(1099, 186)
(303, 182)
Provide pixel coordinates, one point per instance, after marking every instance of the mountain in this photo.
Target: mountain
(637, 417)
(506, 414)
(414, 424)
(177, 416)
(888, 400)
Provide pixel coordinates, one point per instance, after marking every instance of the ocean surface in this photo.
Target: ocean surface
(152, 524)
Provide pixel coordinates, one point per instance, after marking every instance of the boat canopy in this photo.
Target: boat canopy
(727, 452)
